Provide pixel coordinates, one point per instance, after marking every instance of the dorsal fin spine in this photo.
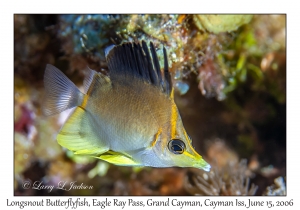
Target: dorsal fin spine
(156, 63)
(152, 73)
(168, 82)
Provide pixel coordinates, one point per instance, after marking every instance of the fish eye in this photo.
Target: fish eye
(176, 146)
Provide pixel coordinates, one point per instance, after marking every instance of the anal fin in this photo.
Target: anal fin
(79, 134)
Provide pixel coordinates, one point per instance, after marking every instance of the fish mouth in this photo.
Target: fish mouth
(202, 164)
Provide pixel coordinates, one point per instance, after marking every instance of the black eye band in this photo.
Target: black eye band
(176, 146)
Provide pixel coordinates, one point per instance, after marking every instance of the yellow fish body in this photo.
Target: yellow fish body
(127, 118)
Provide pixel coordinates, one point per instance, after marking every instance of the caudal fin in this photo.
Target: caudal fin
(61, 93)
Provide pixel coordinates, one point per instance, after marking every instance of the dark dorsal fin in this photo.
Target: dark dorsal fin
(133, 60)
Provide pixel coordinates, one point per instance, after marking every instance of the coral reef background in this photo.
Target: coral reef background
(229, 72)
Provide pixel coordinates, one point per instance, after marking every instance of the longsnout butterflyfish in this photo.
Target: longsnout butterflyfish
(127, 117)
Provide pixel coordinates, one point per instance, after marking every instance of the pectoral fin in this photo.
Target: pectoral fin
(79, 134)
(118, 159)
